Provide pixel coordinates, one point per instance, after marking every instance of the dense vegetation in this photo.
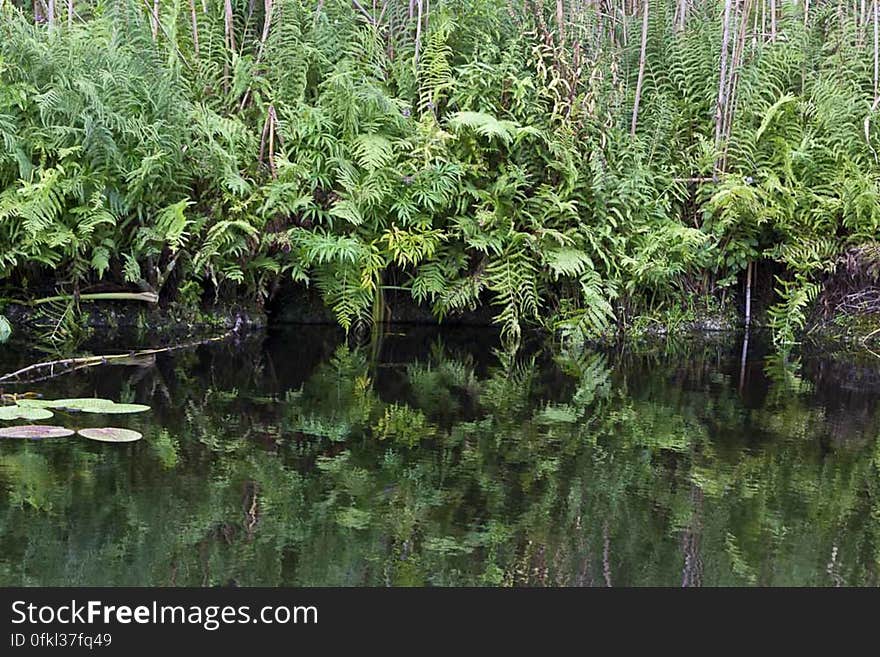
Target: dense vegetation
(585, 166)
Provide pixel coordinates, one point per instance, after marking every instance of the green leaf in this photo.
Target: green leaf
(90, 405)
(24, 413)
(771, 112)
(373, 151)
(116, 409)
(111, 435)
(485, 125)
(35, 432)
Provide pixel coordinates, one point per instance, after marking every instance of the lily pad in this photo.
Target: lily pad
(35, 432)
(78, 404)
(36, 403)
(114, 409)
(111, 435)
(19, 412)
(95, 405)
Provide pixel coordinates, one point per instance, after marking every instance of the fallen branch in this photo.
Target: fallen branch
(51, 369)
(146, 297)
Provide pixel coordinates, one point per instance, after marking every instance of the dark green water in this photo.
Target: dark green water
(289, 459)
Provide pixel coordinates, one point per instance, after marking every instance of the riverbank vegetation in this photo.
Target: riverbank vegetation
(582, 166)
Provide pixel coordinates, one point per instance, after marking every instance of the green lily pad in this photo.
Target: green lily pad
(36, 403)
(111, 435)
(116, 409)
(81, 404)
(19, 412)
(93, 405)
(78, 404)
(35, 432)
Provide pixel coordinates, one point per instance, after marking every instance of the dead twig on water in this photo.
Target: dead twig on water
(53, 368)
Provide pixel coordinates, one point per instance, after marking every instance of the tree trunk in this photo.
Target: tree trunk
(735, 63)
(229, 25)
(641, 78)
(154, 19)
(772, 20)
(763, 20)
(419, 6)
(755, 29)
(681, 15)
(721, 102)
(560, 21)
(195, 26)
(269, 7)
(876, 52)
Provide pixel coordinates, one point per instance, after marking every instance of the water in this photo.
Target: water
(289, 459)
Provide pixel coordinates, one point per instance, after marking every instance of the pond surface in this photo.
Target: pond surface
(431, 459)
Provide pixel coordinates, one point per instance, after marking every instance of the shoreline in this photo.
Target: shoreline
(163, 325)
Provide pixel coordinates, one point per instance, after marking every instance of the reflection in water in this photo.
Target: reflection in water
(294, 460)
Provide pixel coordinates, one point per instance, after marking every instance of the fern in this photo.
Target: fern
(513, 279)
(790, 315)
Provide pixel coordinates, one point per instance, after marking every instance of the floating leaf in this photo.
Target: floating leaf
(19, 412)
(78, 404)
(36, 403)
(35, 432)
(92, 405)
(113, 408)
(111, 435)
